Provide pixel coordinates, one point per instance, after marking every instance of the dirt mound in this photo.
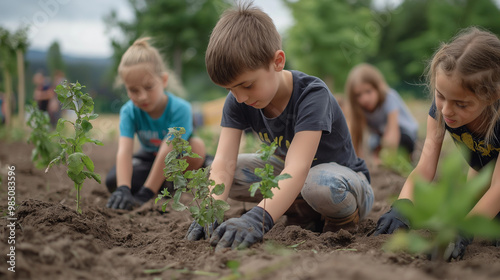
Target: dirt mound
(54, 242)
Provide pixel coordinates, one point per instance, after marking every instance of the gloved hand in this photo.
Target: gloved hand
(197, 232)
(143, 195)
(122, 198)
(392, 220)
(242, 232)
(461, 242)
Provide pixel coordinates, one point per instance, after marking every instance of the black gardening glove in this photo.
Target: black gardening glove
(122, 198)
(461, 242)
(392, 220)
(197, 232)
(239, 233)
(143, 195)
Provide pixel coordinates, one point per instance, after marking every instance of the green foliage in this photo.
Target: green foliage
(54, 59)
(412, 31)
(268, 180)
(203, 207)
(441, 207)
(181, 28)
(330, 37)
(44, 148)
(72, 98)
(398, 161)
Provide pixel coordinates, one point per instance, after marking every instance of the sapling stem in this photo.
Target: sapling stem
(71, 97)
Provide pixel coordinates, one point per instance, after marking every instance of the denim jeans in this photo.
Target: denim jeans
(330, 189)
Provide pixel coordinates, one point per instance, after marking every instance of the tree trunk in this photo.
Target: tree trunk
(8, 97)
(20, 86)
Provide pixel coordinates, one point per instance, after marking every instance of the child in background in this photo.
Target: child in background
(149, 113)
(464, 79)
(245, 57)
(381, 109)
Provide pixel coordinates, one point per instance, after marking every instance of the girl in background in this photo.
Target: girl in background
(149, 113)
(375, 106)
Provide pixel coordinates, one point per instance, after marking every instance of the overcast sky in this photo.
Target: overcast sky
(79, 27)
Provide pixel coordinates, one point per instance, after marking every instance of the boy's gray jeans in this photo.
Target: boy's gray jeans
(330, 189)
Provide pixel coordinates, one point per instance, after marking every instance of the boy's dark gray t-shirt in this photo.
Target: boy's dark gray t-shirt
(311, 107)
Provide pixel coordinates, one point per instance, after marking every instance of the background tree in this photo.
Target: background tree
(55, 60)
(330, 37)
(415, 30)
(180, 29)
(20, 45)
(8, 66)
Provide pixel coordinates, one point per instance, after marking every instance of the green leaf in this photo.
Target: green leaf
(221, 205)
(75, 164)
(93, 116)
(86, 126)
(218, 189)
(253, 188)
(88, 163)
(178, 206)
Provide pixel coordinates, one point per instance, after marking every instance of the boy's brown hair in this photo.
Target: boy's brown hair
(244, 39)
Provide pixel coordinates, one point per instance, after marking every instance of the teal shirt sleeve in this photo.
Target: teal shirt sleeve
(127, 126)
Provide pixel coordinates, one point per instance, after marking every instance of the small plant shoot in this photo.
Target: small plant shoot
(44, 148)
(397, 160)
(71, 97)
(268, 180)
(204, 209)
(442, 208)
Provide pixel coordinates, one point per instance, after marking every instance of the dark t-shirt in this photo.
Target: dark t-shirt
(311, 108)
(471, 145)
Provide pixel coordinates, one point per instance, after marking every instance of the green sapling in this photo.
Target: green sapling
(72, 97)
(44, 148)
(442, 207)
(268, 180)
(203, 207)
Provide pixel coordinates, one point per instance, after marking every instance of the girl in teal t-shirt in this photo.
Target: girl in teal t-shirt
(149, 113)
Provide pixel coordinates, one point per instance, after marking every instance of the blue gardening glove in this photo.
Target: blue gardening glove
(461, 242)
(122, 198)
(392, 220)
(143, 195)
(197, 232)
(239, 233)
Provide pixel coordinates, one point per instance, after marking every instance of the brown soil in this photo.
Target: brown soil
(54, 242)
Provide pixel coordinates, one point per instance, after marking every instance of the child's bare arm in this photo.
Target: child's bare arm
(124, 161)
(392, 134)
(488, 205)
(224, 164)
(297, 163)
(155, 177)
(427, 165)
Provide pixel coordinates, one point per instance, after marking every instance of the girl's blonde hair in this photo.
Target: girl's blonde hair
(474, 55)
(363, 73)
(142, 52)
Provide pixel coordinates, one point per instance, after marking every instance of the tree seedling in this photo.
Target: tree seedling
(268, 180)
(204, 209)
(442, 208)
(44, 148)
(72, 97)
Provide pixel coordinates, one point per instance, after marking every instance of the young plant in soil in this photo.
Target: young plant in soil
(72, 98)
(397, 160)
(204, 209)
(268, 180)
(441, 207)
(44, 148)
